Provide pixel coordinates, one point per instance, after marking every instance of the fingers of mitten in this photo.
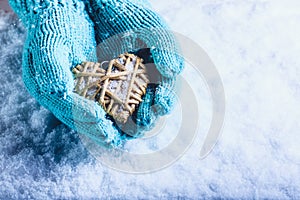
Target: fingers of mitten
(168, 62)
(164, 49)
(82, 109)
(164, 96)
(144, 116)
(82, 115)
(89, 118)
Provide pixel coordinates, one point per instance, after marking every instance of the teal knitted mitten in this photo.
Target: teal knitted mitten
(129, 26)
(60, 36)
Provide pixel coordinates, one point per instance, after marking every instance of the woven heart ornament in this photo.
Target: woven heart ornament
(119, 88)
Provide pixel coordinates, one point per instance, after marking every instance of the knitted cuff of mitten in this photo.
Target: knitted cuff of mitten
(26, 9)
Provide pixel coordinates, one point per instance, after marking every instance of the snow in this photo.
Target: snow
(255, 47)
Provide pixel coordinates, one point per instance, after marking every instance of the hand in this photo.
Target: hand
(131, 26)
(60, 36)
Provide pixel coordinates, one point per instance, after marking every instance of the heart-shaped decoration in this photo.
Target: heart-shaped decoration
(119, 88)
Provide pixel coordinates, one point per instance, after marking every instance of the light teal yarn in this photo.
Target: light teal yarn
(63, 33)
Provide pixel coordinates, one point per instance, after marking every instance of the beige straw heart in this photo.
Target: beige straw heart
(119, 88)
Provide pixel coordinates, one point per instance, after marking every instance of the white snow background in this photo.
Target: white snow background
(255, 46)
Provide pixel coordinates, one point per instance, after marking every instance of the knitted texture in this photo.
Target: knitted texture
(63, 33)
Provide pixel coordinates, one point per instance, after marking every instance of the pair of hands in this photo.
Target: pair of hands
(64, 33)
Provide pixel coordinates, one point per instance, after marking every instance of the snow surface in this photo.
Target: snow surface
(255, 47)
